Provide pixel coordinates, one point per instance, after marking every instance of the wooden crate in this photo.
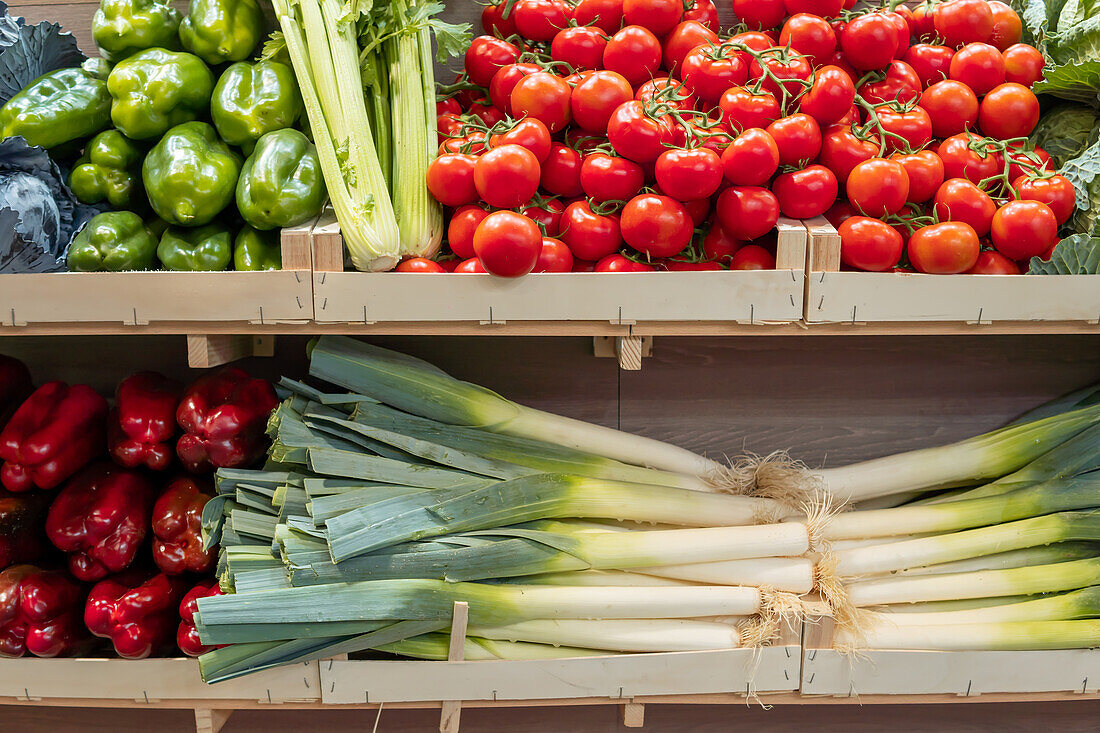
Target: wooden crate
(141, 298)
(621, 299)
(872, 297)
(828, 672)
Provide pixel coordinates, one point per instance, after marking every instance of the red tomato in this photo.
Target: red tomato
(507, 244)
(659, 226)
(561, 173)
(791, 72)
(1023, 64)
(925, 172)
(747, 212)
(633, 52)
(450, 179)
(760, 14)
(668, 90)
(708, 71)
(1056, 192)
(540, 20)
(703, 11)
(419, 265)
(809, 35)
(528, 133)
(507, 176)
(993, 263)
(960, 161)
(953, 107)
(688, 175)
(581, 47)
(505, 80)
(485, 56)
(755, 40)
(806, 193)
(449, 105)
(964, 21)
(1007, 26)
(608, 178)
(980, 66)
(751, 159)
(469, 267)
(544, 97)
(869, 244)
(636, 135)
(752, 257)
(869, 41)
(607, 15)
(682, 266)
(931, 63)
(960, 200)
(596, 97)
(914, 126)
(619, 263)
(493, 22)
(719, 246)
(1009, 111)
(484, 110)
(547, 215)
(840, 212)
(683, 38)
(798, 139)
(744, 110)
(841, 151)
(947, 248)
(878, 187)
(460, 231)
(921, 22)
(658, 16)
(1024, 229)
(588, 235)
(901, 28)
(825, 8)
(1023, 161)
(697, 209)
(830, 97)
(554, 257)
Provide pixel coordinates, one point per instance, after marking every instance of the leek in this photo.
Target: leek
(620, 635)
(1018, 635)
(438, 647)
(1078, 604)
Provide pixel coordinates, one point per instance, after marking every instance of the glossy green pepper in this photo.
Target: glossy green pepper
(281, 184)
(155, 90)
(109, 171)
(121, 28)
(251, 100)
(114, 241)
(207, 248)
(222, 30)
(56, 108)
(253, 250)
(190, 175)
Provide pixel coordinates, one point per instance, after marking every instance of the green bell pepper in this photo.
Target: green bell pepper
(109, 171)
(281, 184)
(113, 241)
(251, 100)
(121, 28)
(255, 250)
(205, 249)
(190, 175)
(155, 90)
(222, 30)
(56, 108)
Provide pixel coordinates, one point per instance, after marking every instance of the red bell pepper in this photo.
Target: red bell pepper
(177, 529)
(224, 416)
(144, 421)
(101, 518)
(15, 385)
(40, 613)
(136, 610)
(52, 435)
(21, 520)
(187, 637)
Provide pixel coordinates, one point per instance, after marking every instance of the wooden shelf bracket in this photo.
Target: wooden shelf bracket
(207, 351)
(629, 350)
(210, 721)
(451, 710)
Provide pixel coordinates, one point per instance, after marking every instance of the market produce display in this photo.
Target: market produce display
(101, 510)
(183, 128)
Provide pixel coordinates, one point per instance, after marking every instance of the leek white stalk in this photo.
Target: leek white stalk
(437, 647)
(1084, 603)
(620, 635)
(1059, 552)
(791, 574)
(600, 577)
(1018, 635)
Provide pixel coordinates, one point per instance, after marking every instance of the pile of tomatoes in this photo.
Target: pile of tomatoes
(631, 135)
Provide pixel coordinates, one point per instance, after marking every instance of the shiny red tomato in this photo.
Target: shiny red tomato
(610, 178)
(486, 55)
(708, 71)
(607, 15)
(561, 173)
(1024, 229)
(588, 235)
(806, 193)
(899, 17)
(947, 248)
(507, 244)
(841, 151)
(507, 176)
(688, 175)
(619, 263)
(658, 226)
(962, 201)
(760, 14)
(824, 8)
(840, 212)
(913, 127)
(419, 265)
(830, 97)
(953, 107)
(751, 159)
(505, 80)
(1007, 26)
(798, 139)
(547, 215)
(658, 16)
(993, 263)
(901, 84)
(580, 46)
(633, 52)
(636, 135)
(544, 97)
(1023, 64)
(869, 41)
(528, 133)
(744, 110)
(980, 66)
(460, 230)
(450, 179)
(791, 72)
(810, 35)
(471, 266)
(930, 62)
(1023, 161)
(668, 90)
(494, 23)
(960, 160)
(747, 212)
(925, 172)
(684, 38)
(540, 20)
(1009, 111)
(964, 21)
(719, 246)
(869, 244)
(752, 257)
(449, 105)
(554, 257)
(1056, 192)
(596, 97)
(703, 11)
